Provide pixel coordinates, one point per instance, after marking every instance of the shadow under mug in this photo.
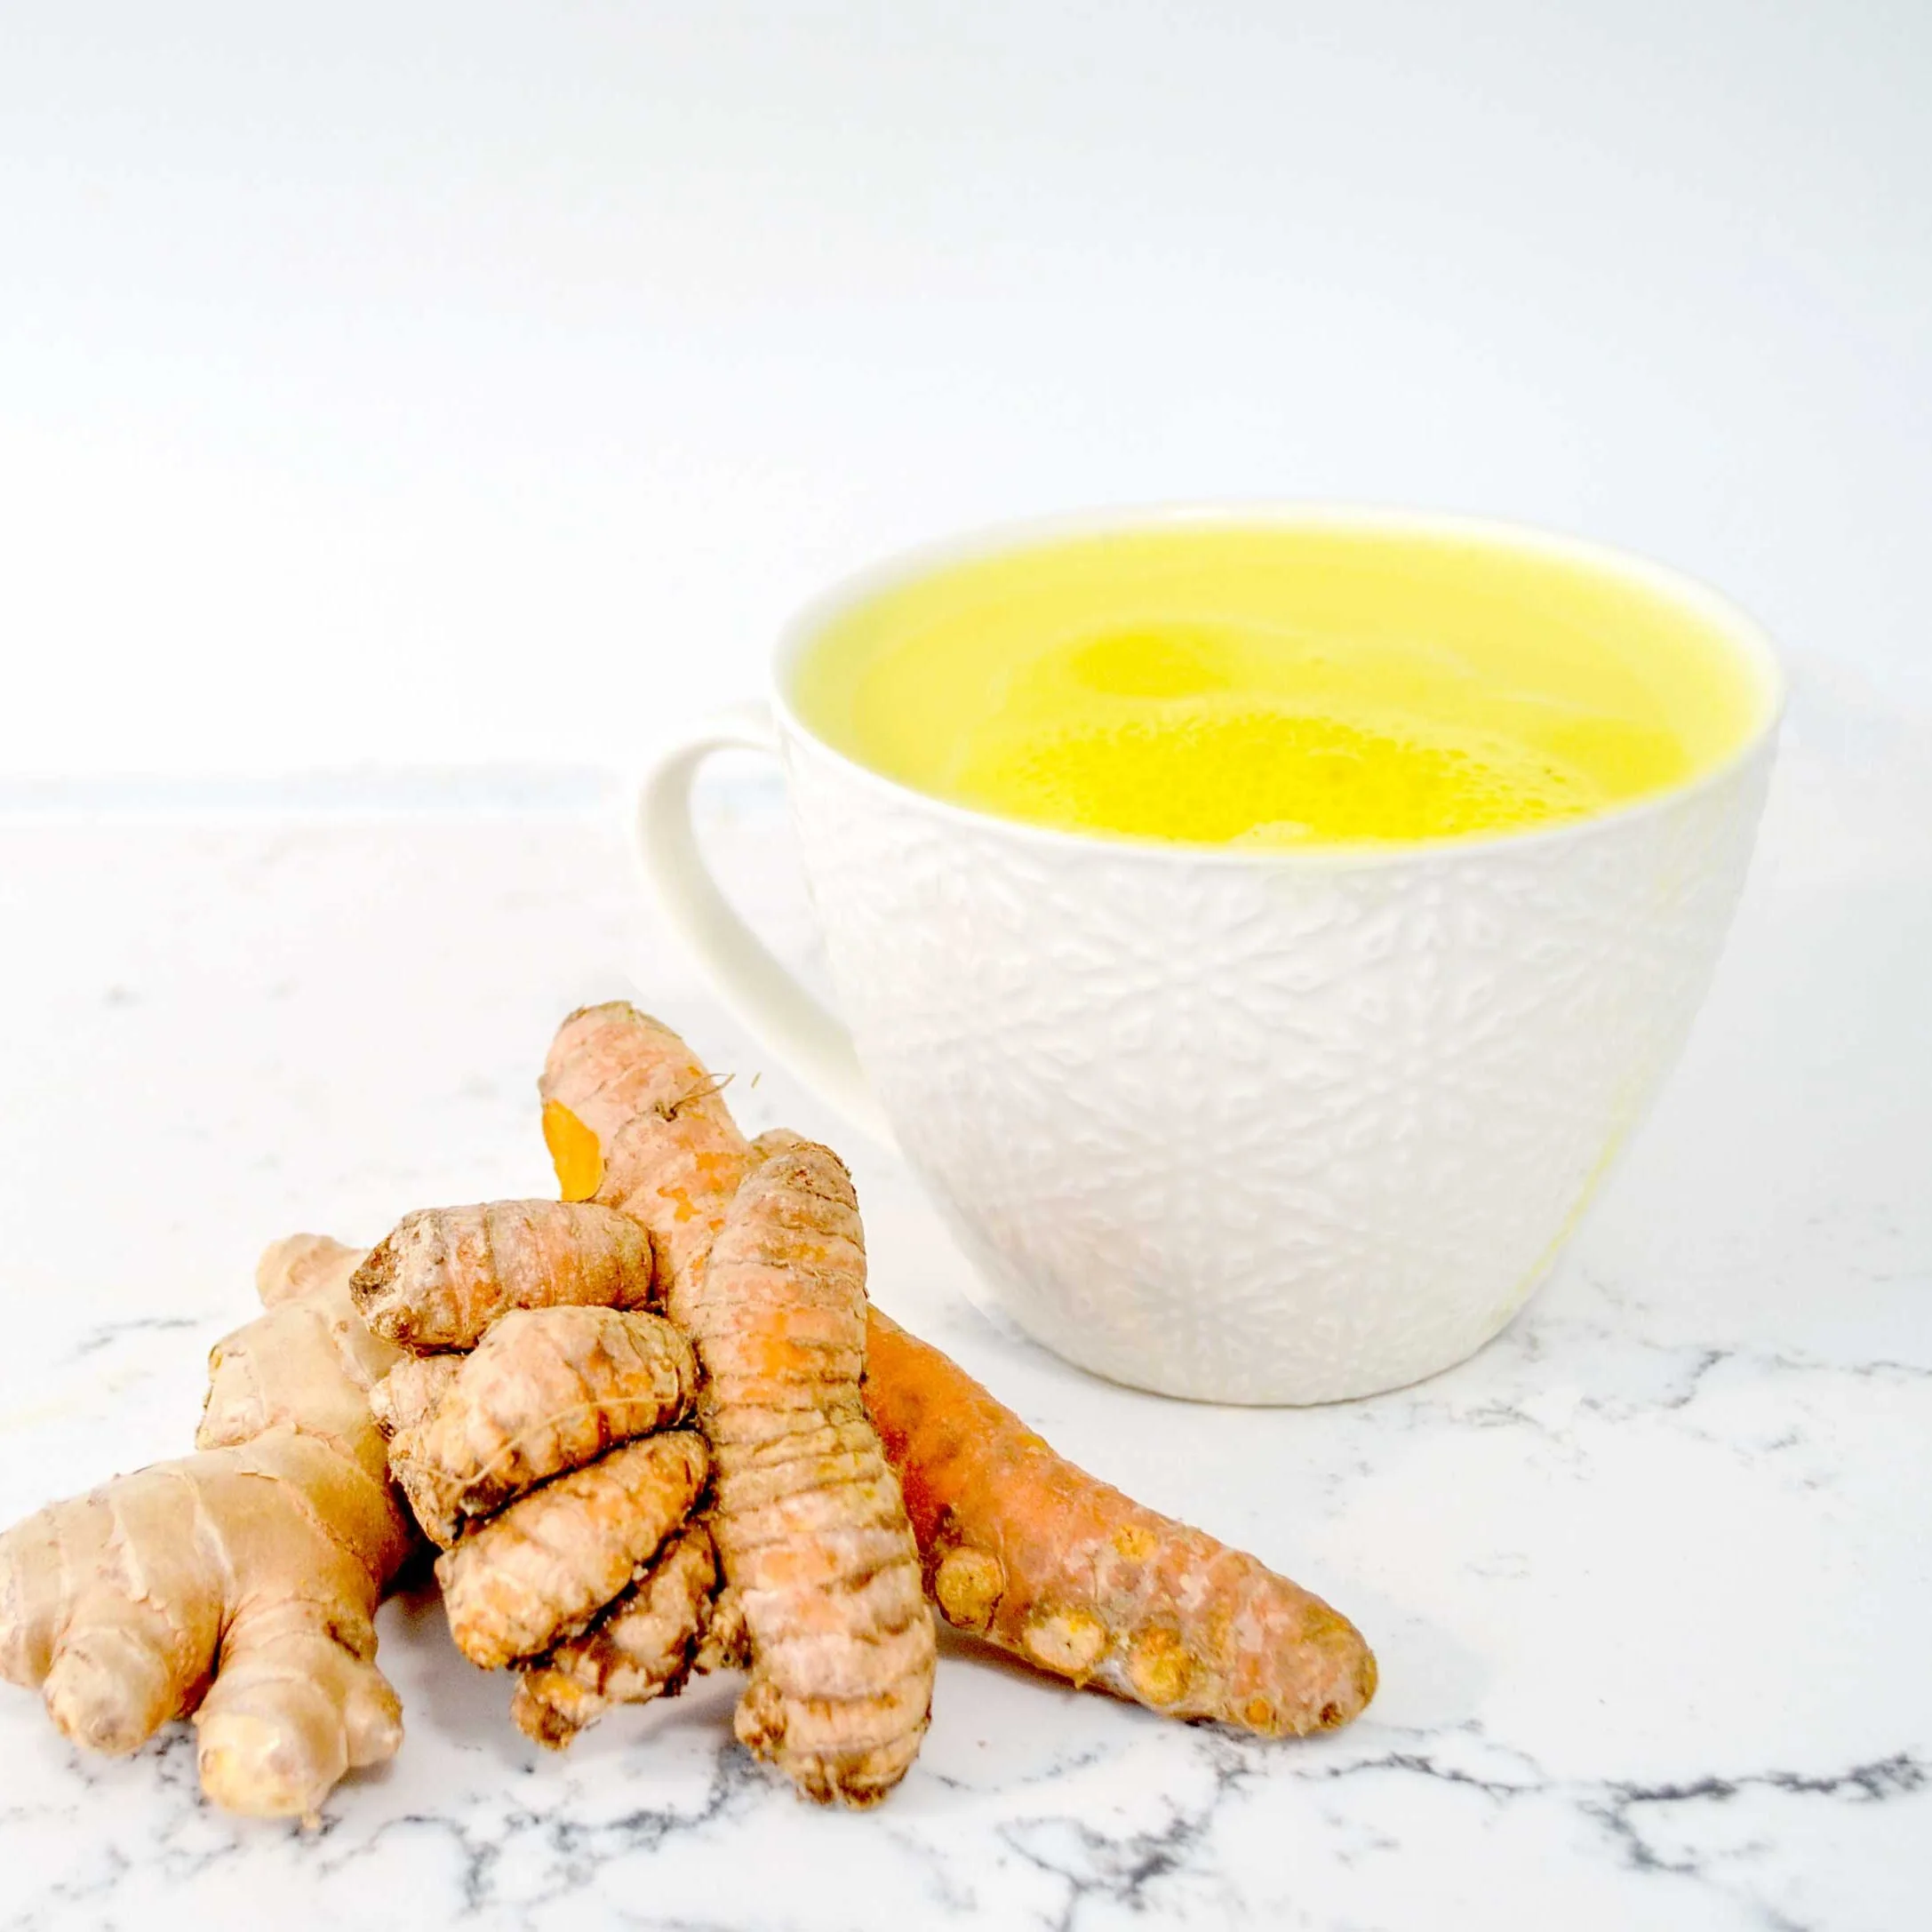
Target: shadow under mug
(1237, 1125)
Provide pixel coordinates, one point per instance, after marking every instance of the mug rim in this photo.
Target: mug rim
(1740, 632)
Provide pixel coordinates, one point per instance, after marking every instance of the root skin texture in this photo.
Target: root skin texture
(546, 1390)
(1044, 1561)
(672, 1156)
(644, 1645)
(810, 1527)
(441, 1276)
(761, 1261)
(540, 1570)
(408, 1395)
(238, 1585)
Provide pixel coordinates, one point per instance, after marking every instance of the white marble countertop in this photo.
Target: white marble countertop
(1649, 1579)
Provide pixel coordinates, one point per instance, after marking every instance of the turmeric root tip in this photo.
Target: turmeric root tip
(441, 1276)
(546, 1390)
(672, 1155)
(539, 1571)
(643, 1646)
(1048, 1564)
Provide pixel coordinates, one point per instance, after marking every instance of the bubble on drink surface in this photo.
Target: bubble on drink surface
(1202, 771)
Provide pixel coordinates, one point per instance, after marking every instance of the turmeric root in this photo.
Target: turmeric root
(760, 1260)
(806, 1520)
(408, 1395)
(441, 1277)
(547, 1390)
(238, 1585)
(1043, 1560)
(643, 1646)
(669, 1154)
(542, 1569)
(1019, 1546)
(809, 1525)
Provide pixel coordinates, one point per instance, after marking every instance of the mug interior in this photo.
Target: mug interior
(1450, 574)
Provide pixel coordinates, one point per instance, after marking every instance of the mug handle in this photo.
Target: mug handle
(755, 988)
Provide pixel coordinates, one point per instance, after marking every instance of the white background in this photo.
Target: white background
(437, 385)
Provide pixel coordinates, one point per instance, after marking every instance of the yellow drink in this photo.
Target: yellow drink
(1285, 685)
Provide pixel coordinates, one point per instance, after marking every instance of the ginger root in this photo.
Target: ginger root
(238, 1585)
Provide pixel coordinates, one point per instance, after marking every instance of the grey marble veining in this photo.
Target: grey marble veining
(1647, 1578)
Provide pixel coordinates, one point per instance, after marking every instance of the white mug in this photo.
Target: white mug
(1240, 1125)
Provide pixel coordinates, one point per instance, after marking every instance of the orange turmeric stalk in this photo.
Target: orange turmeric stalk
(1042, 1559)
(810, 1526)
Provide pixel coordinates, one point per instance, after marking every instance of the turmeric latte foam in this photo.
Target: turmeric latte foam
(1285, 685)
